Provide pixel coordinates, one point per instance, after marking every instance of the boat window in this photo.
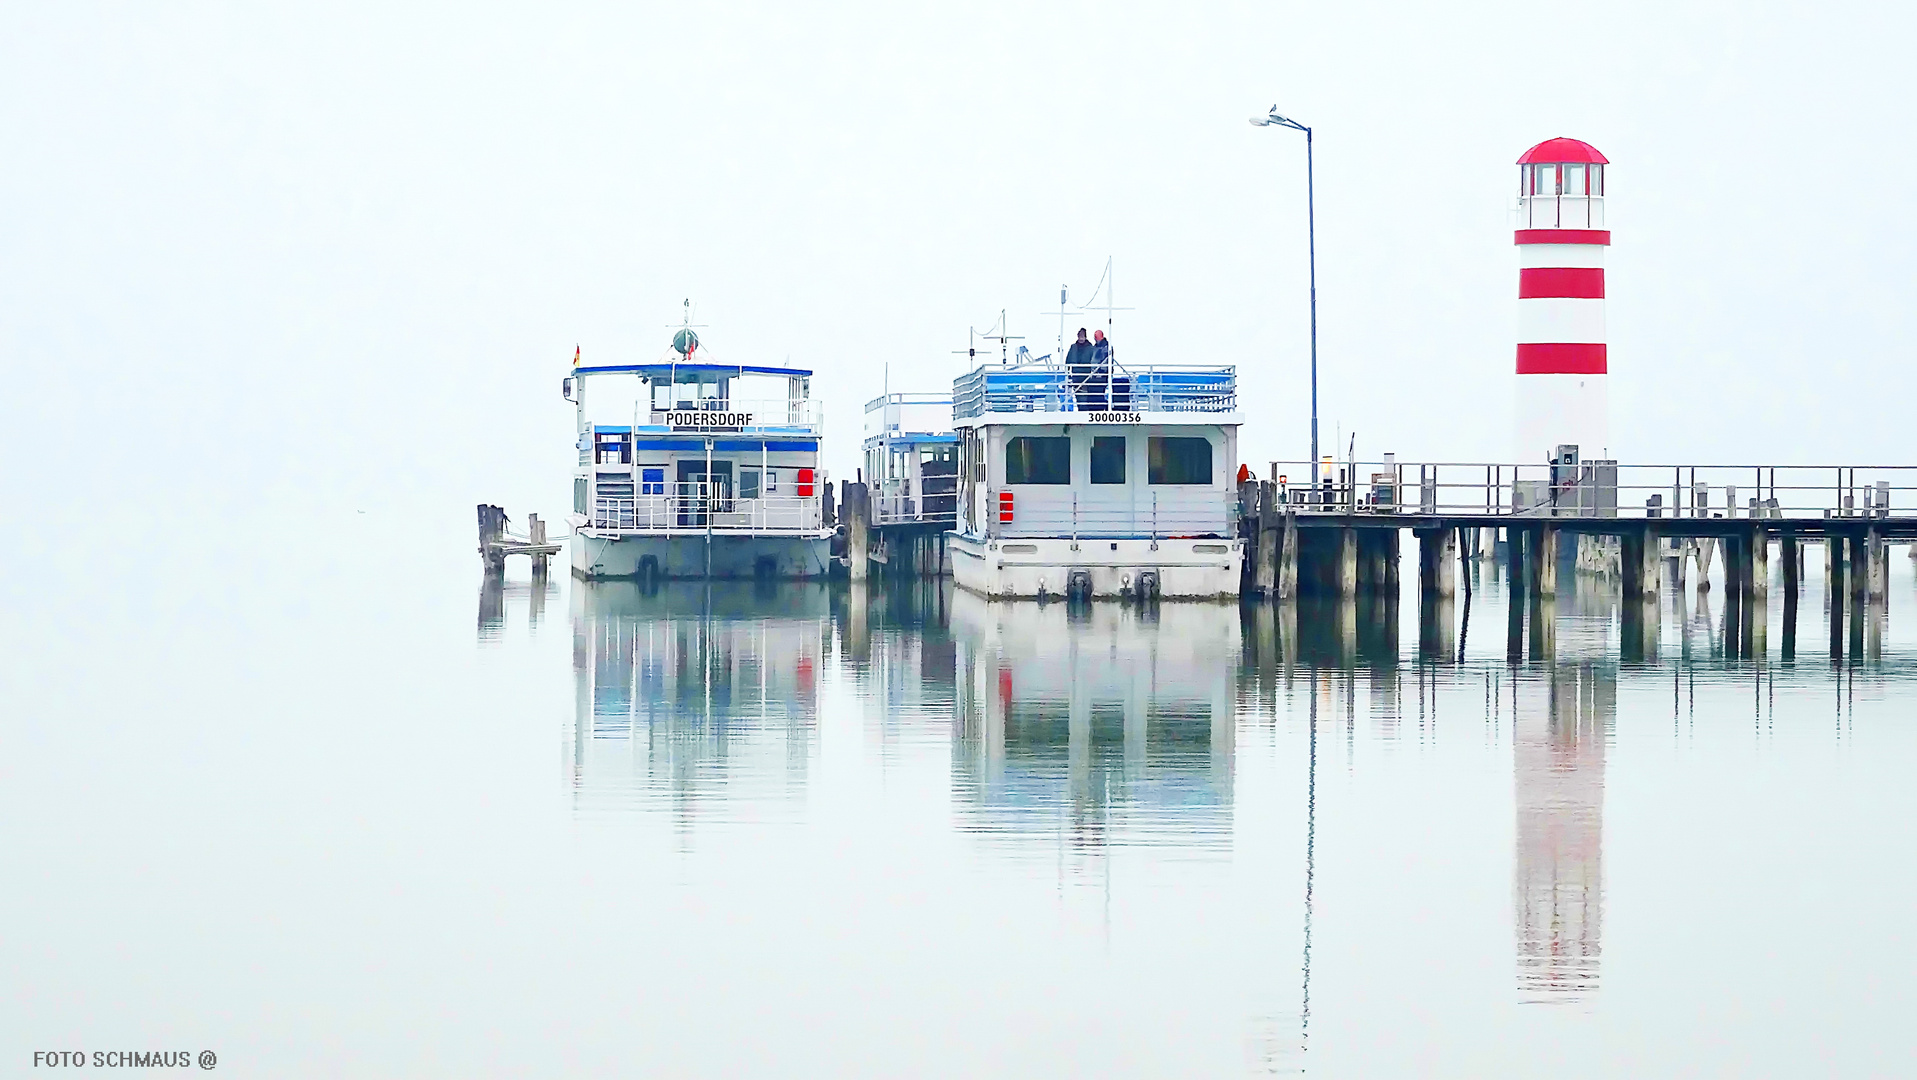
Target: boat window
(1108, 459)
(1030, 459)
(772, 481)
(652, 481)
(748, 483)
(1180, 461)
(579, 495)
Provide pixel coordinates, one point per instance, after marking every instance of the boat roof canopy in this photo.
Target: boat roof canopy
(673, 370)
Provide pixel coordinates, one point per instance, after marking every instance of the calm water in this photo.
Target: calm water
(376, 819)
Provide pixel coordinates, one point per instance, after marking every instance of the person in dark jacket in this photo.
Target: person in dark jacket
(1101, 381)
(1079, 363)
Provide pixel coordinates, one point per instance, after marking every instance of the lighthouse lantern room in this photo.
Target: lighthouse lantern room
(1562, 361)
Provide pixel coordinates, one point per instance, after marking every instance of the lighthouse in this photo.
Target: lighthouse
(1562, 364)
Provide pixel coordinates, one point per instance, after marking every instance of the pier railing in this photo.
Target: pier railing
(1052, 388)
(1601, 490)
(701, 507)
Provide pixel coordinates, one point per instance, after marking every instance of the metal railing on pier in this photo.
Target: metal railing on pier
(1603, 489)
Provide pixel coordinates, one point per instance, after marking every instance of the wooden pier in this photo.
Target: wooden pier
(496, 542)
(1342, 540)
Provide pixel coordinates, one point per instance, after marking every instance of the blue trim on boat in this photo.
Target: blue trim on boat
(696, 369)
(773, 446)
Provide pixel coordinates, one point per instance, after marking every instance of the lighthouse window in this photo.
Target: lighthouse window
(1574, 179)
(1597, 179)
(1108, 460)
(1033, 460)
(1180, 461)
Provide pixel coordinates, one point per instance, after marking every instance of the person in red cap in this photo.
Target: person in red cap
(1244, 474)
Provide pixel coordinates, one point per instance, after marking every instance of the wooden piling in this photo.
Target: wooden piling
(1346, 568)
(1789, 552)
(1270, 537)
(1547, 561)
(857, 528)
(1438, 562)
(537, 529)
(1835, 592)
(1288, 558)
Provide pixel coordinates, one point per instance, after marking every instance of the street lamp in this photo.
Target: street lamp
(1311, 231)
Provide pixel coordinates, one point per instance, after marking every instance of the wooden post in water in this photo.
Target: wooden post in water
(1789, 552)
(1347, 566)
(1835, 592)
(857, 536)
(1270, 536)
(537, 529)
(1437, 562)
(1288, 559)
(1879, 565)
(1547, 560)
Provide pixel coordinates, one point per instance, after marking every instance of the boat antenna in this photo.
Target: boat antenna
(1002, 337)
(1104, 284)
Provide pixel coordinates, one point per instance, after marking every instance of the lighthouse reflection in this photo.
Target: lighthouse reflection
(1562, 722)
(1103, 726)
(695, 699)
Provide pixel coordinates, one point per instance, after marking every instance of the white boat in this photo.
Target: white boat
(701, 470)
(911, 459)
(1121, 485)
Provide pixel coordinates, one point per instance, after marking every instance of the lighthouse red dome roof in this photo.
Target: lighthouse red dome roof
(1562, 151)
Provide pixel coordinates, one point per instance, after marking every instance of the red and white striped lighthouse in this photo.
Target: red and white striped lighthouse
(1562, 365)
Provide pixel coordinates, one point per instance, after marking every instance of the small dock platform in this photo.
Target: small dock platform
(497, 541)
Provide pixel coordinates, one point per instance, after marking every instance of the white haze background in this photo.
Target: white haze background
(342, 255)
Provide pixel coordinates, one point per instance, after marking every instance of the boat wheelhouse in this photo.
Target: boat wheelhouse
(911, 459)
(697, 470)
(1113, 483)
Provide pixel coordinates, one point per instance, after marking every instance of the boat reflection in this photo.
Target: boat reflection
(699, 699)
(1101, 726)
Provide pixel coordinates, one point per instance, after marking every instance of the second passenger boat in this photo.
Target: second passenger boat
(1109, 483)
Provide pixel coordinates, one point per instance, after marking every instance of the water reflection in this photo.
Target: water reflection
(494, 593)
(1106, 725)
(1057, 734)
(1562, 721)
(694, 699)
(898, 647)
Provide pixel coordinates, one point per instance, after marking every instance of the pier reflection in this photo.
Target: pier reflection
(900, 652)
(697, 699)
(1099, 726)
(497, 595)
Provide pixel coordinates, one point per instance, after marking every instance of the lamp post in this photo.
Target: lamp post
(1311, 232)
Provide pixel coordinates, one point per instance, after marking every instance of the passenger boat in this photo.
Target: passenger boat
(1120, 485)
(696, 469)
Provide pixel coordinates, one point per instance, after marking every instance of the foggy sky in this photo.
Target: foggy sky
(344, 255)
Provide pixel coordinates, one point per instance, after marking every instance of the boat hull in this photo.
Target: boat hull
(692, 556)
(1029, 567)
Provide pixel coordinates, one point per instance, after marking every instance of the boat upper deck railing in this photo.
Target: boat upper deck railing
(994, 389)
